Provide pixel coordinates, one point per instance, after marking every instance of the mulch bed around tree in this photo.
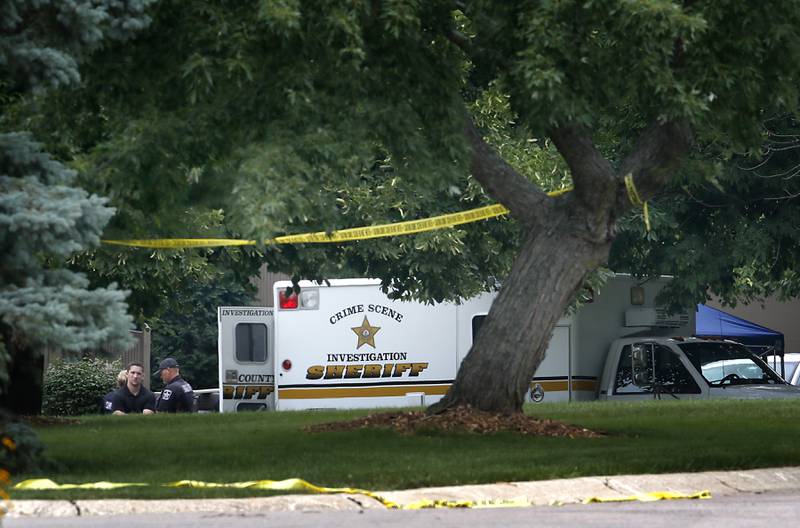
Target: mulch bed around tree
(460, 419)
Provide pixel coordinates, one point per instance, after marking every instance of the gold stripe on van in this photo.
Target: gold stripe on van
(584, 385)
(548, 386)
(562, 385)
(360, 392)
(432, 390)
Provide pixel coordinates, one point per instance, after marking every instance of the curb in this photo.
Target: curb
(535, 493)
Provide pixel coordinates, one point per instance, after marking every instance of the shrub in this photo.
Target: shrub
(21, 450)
(72, 388)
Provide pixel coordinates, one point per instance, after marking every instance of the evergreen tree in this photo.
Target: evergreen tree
(44, 216)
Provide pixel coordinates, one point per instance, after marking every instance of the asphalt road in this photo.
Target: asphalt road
(732, 511)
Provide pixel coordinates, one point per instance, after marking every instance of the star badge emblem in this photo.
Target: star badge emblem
(366, 333)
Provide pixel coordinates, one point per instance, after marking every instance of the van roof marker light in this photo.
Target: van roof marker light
(309, 299)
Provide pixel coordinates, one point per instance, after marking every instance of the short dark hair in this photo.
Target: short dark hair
(134, 364)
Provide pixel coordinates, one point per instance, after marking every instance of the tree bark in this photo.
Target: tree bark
(525, 202)
(23, 394)
(551, 265)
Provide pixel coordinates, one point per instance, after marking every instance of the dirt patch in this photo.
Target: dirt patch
(459, 419)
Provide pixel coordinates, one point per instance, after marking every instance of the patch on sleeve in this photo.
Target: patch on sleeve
(166, 394)
(186, 387)
(108, 405)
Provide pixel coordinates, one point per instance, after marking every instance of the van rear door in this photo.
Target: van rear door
(246, 358)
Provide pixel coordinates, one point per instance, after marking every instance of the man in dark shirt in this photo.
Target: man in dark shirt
(177, 395)
(132, 397)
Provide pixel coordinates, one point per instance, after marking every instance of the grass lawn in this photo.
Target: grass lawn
(645, 437)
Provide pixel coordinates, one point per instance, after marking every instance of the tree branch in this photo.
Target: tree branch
(460, 40)
(659, 149)
(502, 182)
(592, 174)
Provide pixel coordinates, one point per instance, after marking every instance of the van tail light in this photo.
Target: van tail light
(288, 300)
(307, 299)
(287, 364)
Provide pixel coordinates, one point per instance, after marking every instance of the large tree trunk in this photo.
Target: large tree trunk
(566, 239)
(551, 266)
(23, 394)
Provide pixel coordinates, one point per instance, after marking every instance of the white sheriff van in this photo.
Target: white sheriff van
(347, 345)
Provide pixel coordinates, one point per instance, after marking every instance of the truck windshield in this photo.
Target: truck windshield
(728, 363)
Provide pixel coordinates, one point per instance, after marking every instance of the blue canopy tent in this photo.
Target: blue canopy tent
(716, 323)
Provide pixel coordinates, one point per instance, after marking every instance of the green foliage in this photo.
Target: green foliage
(77, 387)
(189, 332)
(732, 231)
(41, 41)
(157, 279)
(532, 156)
(24, 452)
(706, 62)
(157, 178)
(297, 116)
(286, 147)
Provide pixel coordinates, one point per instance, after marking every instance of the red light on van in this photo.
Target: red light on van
(287, 364)
(287, 301)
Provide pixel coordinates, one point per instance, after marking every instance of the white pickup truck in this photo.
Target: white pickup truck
(687, 368)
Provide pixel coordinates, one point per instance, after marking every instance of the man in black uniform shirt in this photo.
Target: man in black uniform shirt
(177, 395)
(132, 397)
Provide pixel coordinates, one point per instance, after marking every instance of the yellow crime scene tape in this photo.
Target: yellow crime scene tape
(321, 237)
(49, 485)
(5, 498)
(5, 477)
(653, 496)
(296, 484)
(636, 200)
(364, 233)
(344, 235)
(293, 484)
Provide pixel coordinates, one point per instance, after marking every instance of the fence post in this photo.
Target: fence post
(146, 355)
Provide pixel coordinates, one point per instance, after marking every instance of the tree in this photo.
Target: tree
(45, 218)
(683, 58)
(314, 116)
